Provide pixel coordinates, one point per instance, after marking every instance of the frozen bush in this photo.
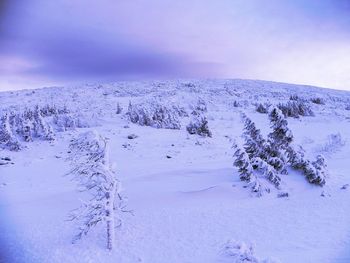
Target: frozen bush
(255, 144)
(260, 158)
(295, 109)
(180, 111)
(66, 122)
(50, 110)
(246, 171)
(5, 160)
(154, 115)
(240, 252)
(316, 172)
(294, 97)
(236, 104)
(25, 129)
(200, 107)
(317, 100)
(199, 125)
(27, 125)
(262, 108)
(7, 139)
(267, 170)
(243, 164)
(119, 109)
(333, 144)
(41, 128)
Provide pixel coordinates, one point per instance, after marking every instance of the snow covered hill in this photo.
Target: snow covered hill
(186, 196)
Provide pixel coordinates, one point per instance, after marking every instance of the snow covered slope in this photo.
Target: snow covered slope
(185, 193)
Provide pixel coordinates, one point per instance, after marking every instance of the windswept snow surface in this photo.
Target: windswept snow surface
(187, 205)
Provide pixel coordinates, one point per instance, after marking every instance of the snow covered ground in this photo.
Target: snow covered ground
(185, 194)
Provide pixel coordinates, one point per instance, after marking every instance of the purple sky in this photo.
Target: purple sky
(60, 42)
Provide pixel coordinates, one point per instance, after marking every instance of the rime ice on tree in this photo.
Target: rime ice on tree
(91, 167)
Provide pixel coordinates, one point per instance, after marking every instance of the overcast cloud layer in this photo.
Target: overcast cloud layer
(58, 42)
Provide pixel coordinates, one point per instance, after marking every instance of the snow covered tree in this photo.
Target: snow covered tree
(255, 144)
(65, 122)
(200, 107)
(199, 125)
(164, 117)
(262, 108)
(259, 154)
(7, 138)
(242, 162)
(281, 136)
(89, 156)
(316, 171)
(268, 171)
(246, 170)
(296, 156)
(295, 108)
(154, 114)
(41, 128)
(321, 170)
(25, 129)
(278, 140)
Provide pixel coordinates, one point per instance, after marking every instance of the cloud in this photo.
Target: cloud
(48, 43)
(86, 40)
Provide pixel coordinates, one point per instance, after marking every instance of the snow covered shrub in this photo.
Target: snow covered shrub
(296, 157)
(347, 107)
(119, 109)
(254, 161)
(7, 139)
(333, 144)
(262, 108)
(295, 109)
(180, 111)
(316, 172)
(246, 171)
(317, 100)
(294, 97)
(281, 136)
(50, 110)
(267, 170)
(240, 252)
(236, 104)
(255, 144)
(41, 128)
(91, 168)
(200, 107)
(25, 128)
(5, 160)
(269, 159)
(64, 122)
(154, 115)
(189, 85)
(243, 164)
(199, 125)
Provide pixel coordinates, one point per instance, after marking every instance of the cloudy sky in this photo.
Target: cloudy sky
(60, 42)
